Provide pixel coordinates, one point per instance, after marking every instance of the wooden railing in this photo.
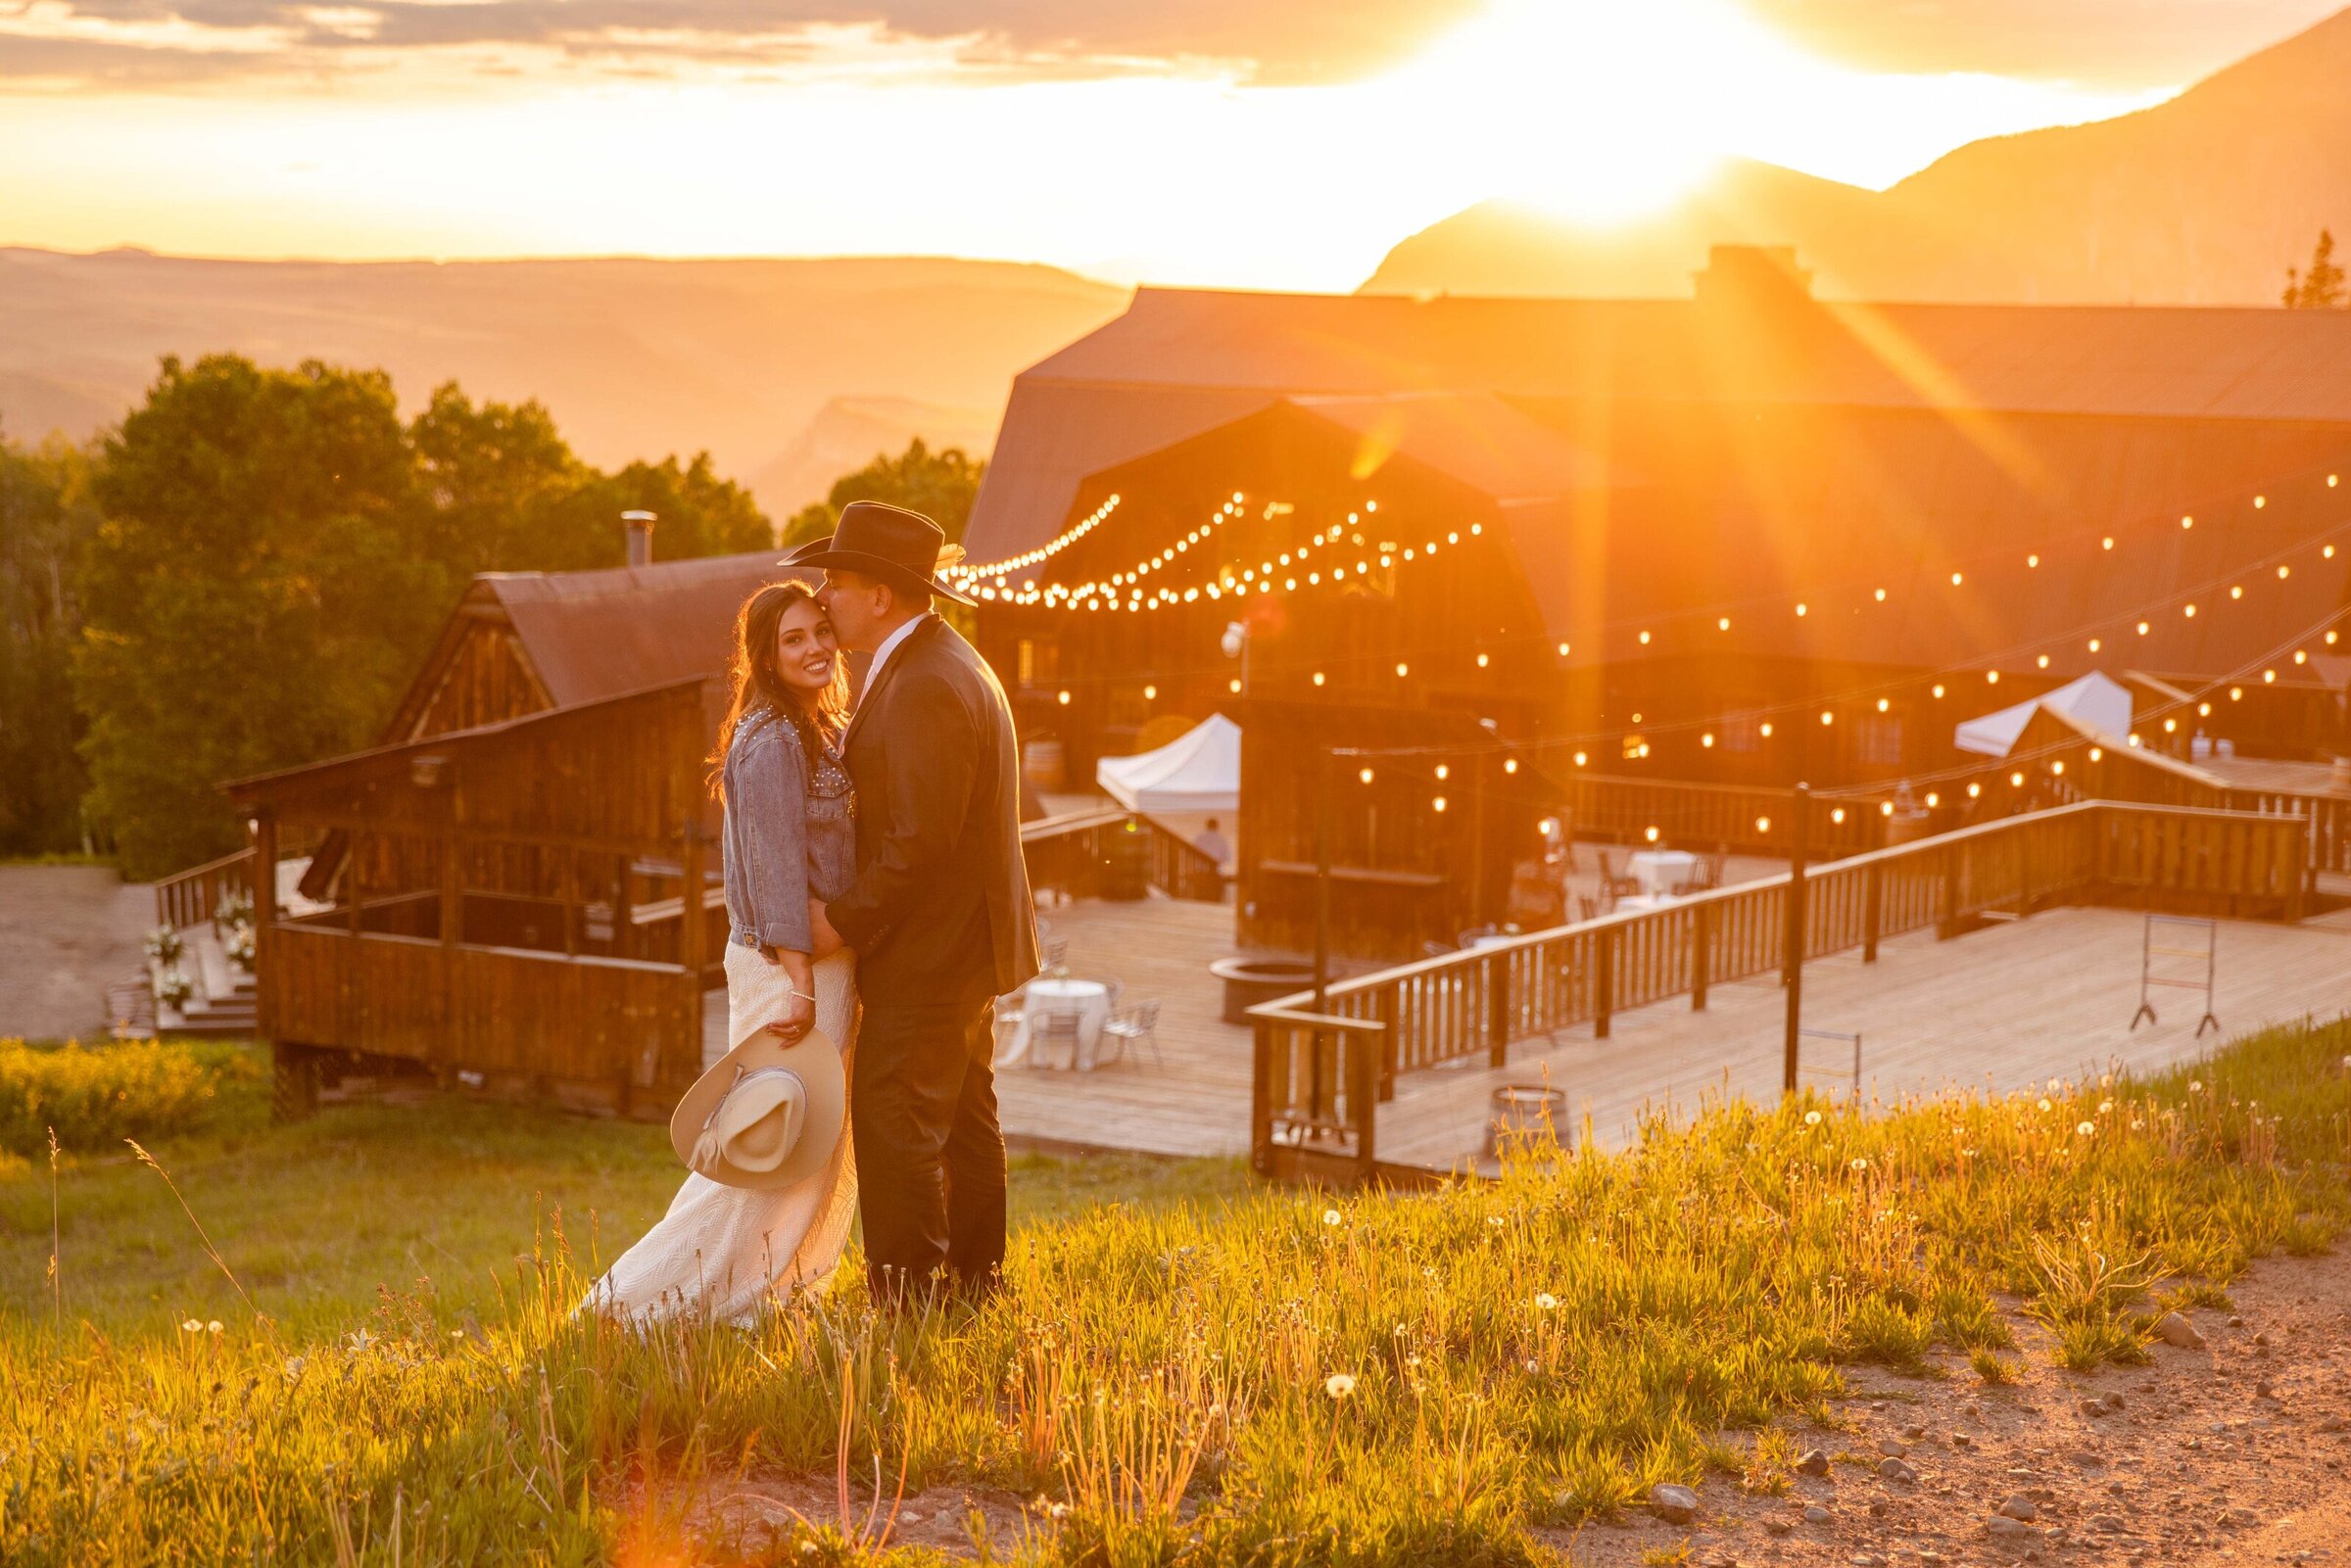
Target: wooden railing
(1181, 868)
(1074, 854)
(189, 897)
(1636, 811)
(2329, 816)
(1323, 1068)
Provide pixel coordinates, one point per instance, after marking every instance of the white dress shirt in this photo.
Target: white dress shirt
(889, 646)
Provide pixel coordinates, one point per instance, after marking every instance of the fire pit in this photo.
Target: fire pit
(1251, 980)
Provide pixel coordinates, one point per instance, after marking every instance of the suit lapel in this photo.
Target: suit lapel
(867, 700)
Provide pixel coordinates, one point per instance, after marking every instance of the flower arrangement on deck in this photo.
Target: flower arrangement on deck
(164, 945)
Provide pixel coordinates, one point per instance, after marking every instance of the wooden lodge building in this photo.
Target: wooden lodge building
(1640, 565)
(1746, 538)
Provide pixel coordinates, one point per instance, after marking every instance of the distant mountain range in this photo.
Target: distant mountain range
(789, 372)
(2205, 199)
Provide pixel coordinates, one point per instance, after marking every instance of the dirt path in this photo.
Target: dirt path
(66, 933)
(2233, 1453)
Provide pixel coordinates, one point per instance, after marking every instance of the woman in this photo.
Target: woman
(791, 831)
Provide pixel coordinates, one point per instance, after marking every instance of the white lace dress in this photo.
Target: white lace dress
(729, 1251)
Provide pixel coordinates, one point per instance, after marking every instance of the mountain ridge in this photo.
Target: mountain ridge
(634, 357)
(2205, 198)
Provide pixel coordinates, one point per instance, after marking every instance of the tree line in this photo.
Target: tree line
(245, 574)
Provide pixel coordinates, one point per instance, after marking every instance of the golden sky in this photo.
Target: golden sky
(1277, 143)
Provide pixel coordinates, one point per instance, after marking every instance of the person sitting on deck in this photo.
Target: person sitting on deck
(1213, 844)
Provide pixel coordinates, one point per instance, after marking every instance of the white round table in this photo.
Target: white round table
(1089, 1000)
(1661, 871)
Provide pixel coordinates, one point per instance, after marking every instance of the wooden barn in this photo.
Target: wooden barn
(518, 885)
(1732, 542)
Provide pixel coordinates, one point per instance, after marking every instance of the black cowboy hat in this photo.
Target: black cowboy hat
(901, 547)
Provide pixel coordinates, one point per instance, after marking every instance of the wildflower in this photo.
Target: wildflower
(1412, 1360)
(1338, 1385)
(1331, 1216)
(807, 1548)
(2056, 1084)
(1546, 1301)
(192, 1326)
(2136, 1124)
(1060, 1510)
(2045, 1105)
(2195, 1086)
(1860, 1163)
(2105, 1107)
(213, 1327)
(2087, 1129)
(1533, 1366)
(1496, 1220)
(2106, 1080)
(1398, 1331)
(1811, 1119)
(294, 1367)
(1967, 1154)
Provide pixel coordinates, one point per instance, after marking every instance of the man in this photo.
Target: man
(941, 914)
(1213, 844)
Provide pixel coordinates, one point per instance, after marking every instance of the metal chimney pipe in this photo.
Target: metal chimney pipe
(641, 537)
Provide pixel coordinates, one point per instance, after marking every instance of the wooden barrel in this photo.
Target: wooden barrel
(1041, 762)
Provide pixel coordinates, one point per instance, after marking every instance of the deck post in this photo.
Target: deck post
(265, 915)
(1363, 1098)
(1702, 952)
(1792, 970)
(694, 927)
(1949, 925)
(1261, 1097)
(1496, 967)
(1873, 905)
(1604, 979)
(1324, 762)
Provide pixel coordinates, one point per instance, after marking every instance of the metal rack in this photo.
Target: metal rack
(2167, 937)
(1853, 1040)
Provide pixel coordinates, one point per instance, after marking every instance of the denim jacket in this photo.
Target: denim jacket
(786, 835)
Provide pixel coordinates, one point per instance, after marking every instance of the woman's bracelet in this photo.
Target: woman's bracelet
(803, 995)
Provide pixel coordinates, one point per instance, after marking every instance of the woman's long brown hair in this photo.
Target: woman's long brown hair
(754, 682)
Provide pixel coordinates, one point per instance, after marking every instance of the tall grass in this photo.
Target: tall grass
(95, 1096)
(1296, 1378)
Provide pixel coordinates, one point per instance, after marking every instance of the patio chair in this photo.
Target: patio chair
(1588, 904)
(1129, 1025)
(1055, 1028)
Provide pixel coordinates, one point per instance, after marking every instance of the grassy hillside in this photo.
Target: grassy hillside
(1270, 1377)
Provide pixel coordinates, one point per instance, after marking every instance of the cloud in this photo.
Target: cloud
(2118, 43)
(121, 41)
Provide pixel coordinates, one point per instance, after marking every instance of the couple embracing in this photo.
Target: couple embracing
(872, 855)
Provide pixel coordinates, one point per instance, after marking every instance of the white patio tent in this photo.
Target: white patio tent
(2101, 703)
(1199, 770)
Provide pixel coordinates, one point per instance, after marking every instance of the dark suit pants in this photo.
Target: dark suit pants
(929, 1154)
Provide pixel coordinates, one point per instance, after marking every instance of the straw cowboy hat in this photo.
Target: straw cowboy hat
(903, 549)
(766, 1115)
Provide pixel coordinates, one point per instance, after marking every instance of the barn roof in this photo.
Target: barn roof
(1181, 361)
(596, 635)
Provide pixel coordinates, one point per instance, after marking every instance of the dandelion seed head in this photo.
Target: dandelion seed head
(2045, 1105)
(2086, 1129)
(1811, 1119)
(213, 1327)
(1533, 1366)
(1860, 1163)
(1546, 1301)
(2195, 1086)
(1331, 1216)
(1338, 1385)
(1496, 1220)
(192, 1326)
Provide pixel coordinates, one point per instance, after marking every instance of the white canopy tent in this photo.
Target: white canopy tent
(1199, 770)
(2094, 700)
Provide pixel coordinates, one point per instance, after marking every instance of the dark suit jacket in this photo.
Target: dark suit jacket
(941, 910)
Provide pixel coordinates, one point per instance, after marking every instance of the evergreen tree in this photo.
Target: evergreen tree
(2321, 288)
(46, 519)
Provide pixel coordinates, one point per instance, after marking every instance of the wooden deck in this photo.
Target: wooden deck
(2051, 996)
(1198, 1102)
(1999, 1008)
